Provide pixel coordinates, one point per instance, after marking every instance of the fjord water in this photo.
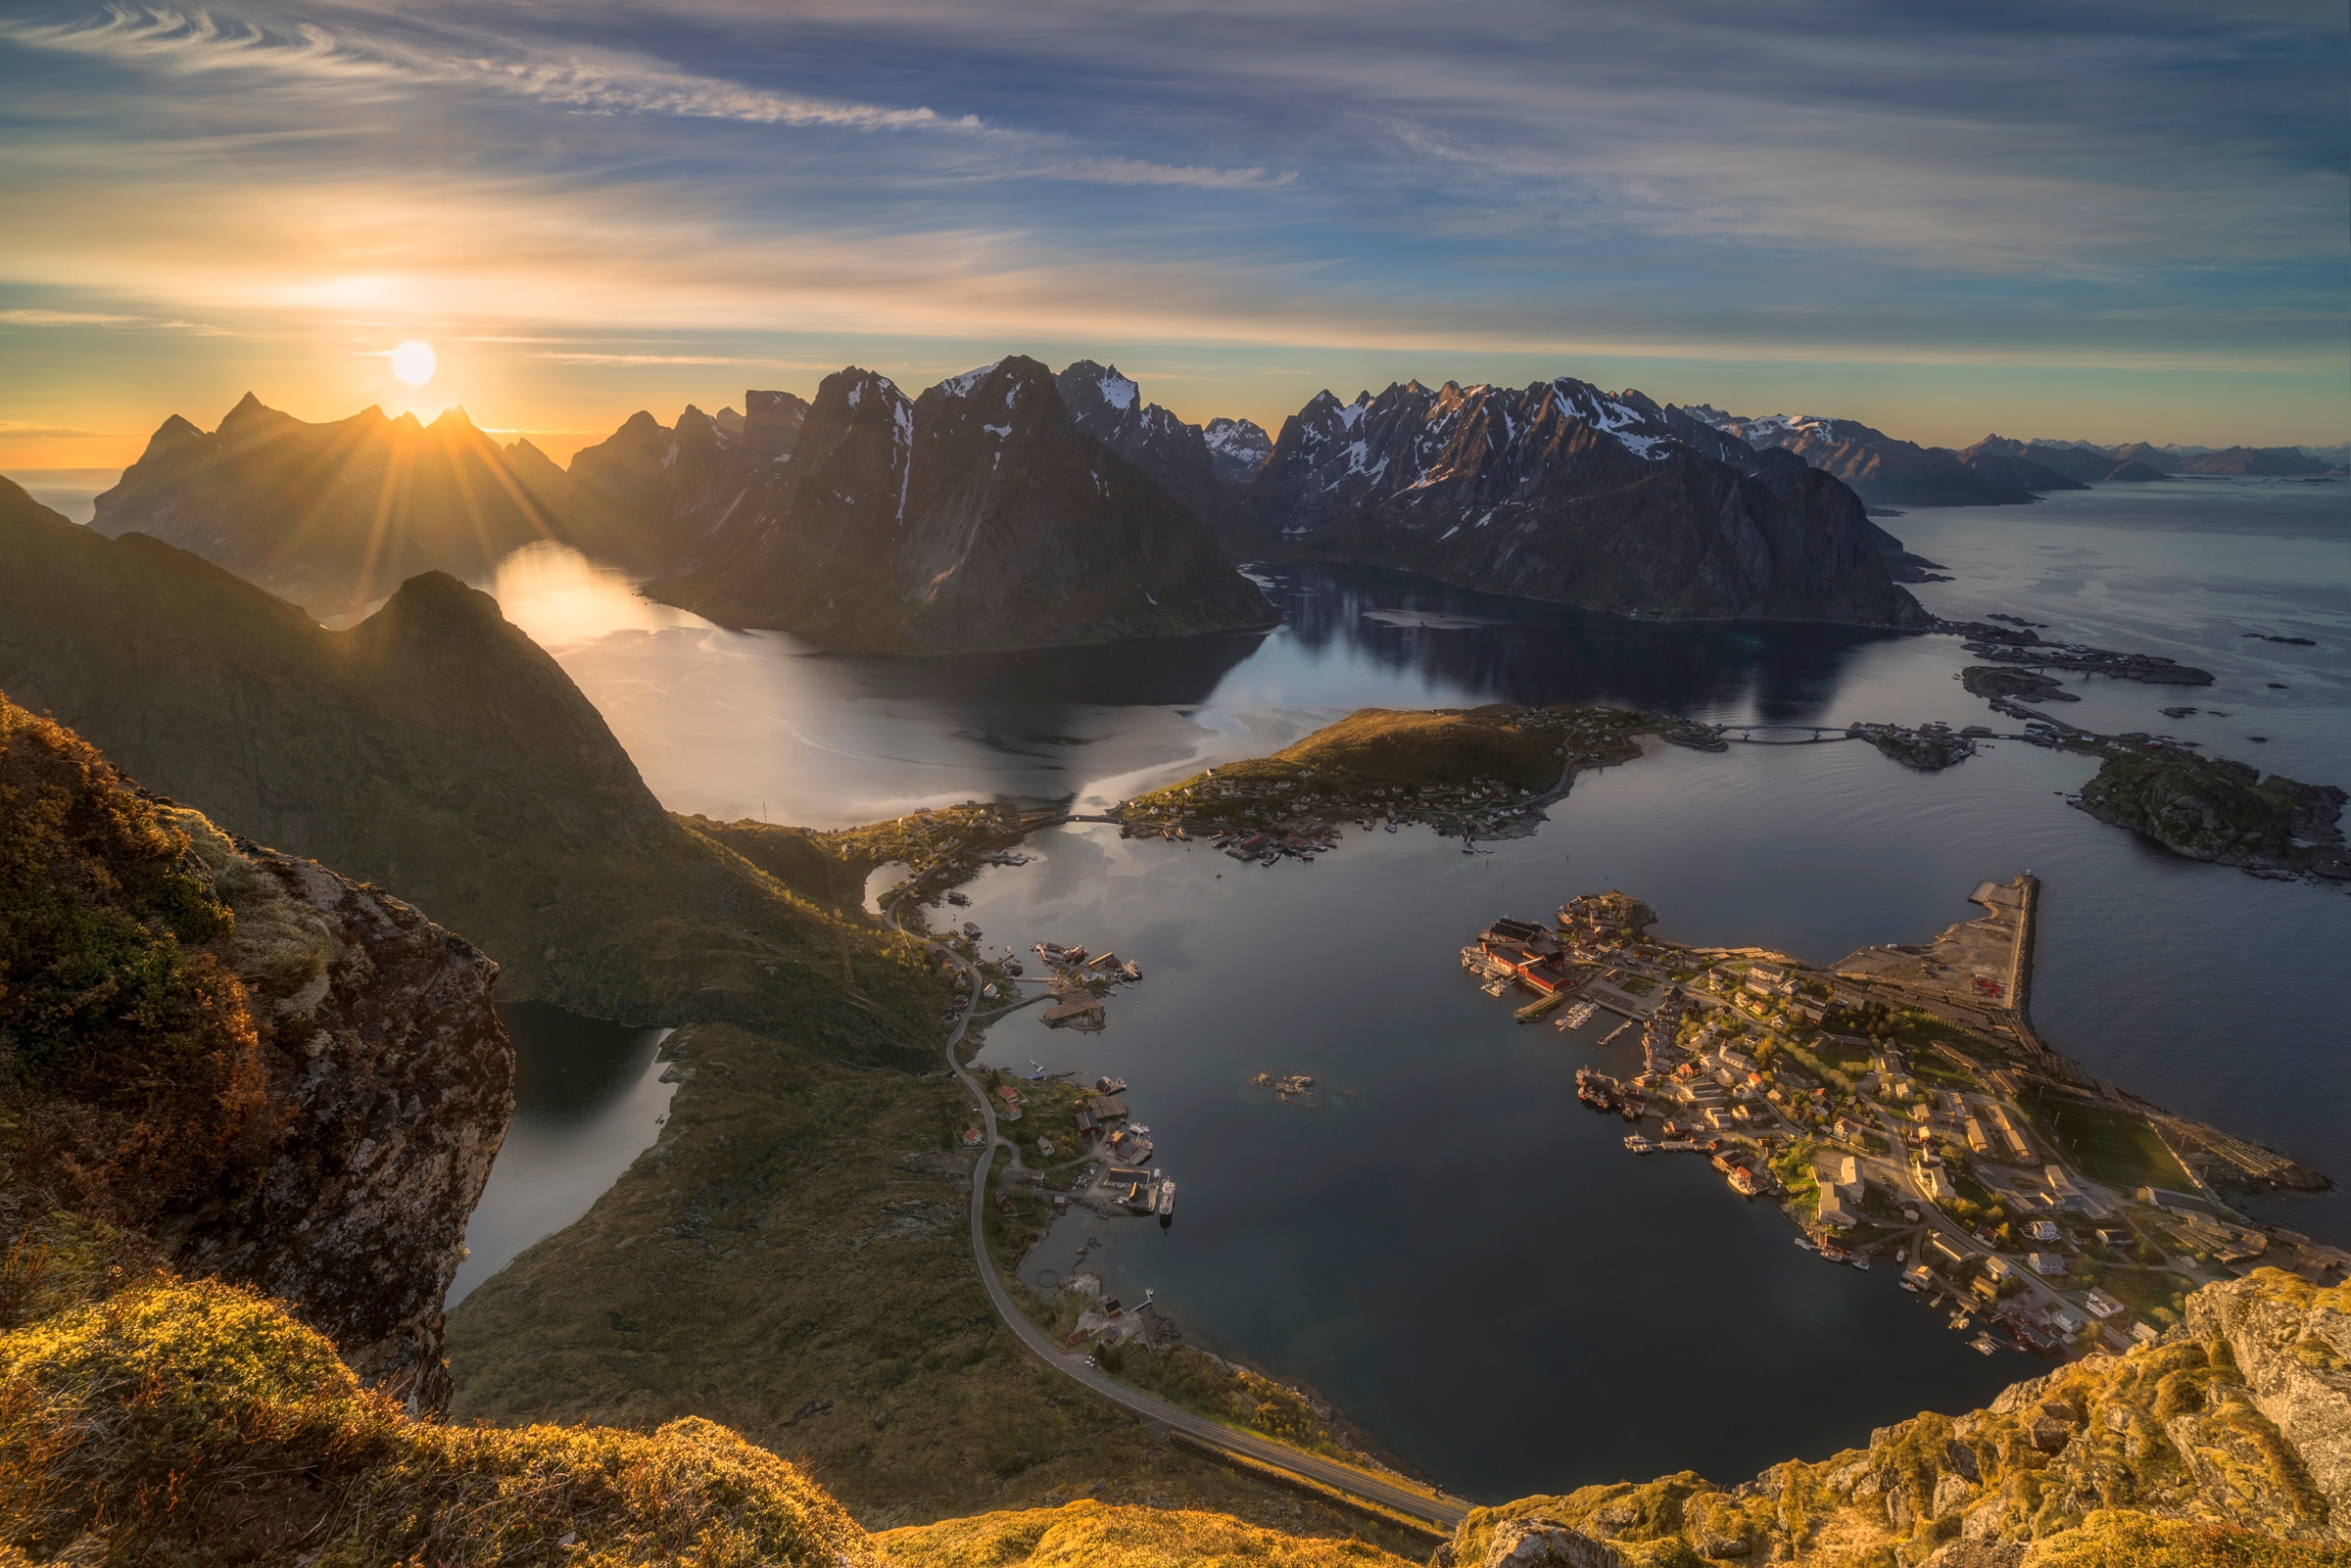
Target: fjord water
(1457, 1253)
(588, 1099)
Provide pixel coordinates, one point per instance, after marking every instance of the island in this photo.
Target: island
(1899, 1105)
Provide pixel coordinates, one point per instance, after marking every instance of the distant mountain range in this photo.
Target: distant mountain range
(1012, 507)
(1996, 471)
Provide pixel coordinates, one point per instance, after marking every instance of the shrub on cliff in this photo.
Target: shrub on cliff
(128, 1055)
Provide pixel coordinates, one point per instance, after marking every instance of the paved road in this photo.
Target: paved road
(1445, 1513)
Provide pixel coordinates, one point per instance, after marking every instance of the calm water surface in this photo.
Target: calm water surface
(587, 1100)
(1454, 1250)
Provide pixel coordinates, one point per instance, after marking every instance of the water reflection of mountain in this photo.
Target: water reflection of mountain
(1525, 650)
(1150, 672)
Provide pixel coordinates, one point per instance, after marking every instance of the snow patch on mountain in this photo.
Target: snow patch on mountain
(961, 386)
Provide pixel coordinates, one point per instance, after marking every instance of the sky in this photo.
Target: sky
(2098, 222)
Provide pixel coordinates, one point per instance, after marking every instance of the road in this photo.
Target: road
(1442, 1514)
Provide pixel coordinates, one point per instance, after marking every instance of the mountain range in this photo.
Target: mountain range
(336, 515)
(1564, 492)
(981, 515)
(1996, 471)
(1012, 507)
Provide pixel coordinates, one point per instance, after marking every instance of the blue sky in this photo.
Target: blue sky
(2110, 221)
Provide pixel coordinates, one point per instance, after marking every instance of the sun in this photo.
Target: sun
(414, 363)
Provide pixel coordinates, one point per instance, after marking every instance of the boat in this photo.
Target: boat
(1835, 1253)
(1743, 1182)
(1983, 1345)
(1579, 1015)
(1804, 1242)
(1861, 1262)
(1638, 1144)
(1167, 1200)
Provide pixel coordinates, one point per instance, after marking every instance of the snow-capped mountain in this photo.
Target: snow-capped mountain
(1238, 448)
(1561, 489)
(1109, 407)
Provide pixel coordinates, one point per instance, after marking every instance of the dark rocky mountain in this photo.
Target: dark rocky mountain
(1882, 470)
(1993, 459)
(1238, 448)
(977, 516)
(661, 491)
(1560, 490)
(1109, 407)
(334, 517)
(2273, 461)
(432, 750)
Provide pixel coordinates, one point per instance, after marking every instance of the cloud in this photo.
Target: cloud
(12, 430)
(66, 318)
(610, 82)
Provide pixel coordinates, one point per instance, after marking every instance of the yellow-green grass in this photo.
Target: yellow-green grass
(195, 1423)
(1091, 1535)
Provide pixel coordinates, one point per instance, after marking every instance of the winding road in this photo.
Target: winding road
(1439, 1512)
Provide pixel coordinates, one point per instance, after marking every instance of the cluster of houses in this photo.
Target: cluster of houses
(1128, 1179)
(1923, 1143)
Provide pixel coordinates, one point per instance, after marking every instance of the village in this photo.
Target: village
(1899, 1111)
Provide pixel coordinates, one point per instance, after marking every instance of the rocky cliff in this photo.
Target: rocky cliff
(265, 1071)
(975, 516)
(334, 517)
(1562, 491)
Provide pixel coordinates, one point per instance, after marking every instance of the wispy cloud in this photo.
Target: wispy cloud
(66, 318)
(196, 42)
(14, 430)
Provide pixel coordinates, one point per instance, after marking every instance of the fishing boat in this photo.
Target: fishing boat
(1861, 1262)
(1638, 1144)
(1805, 1242)
(1983, 1345)
(1835, 1253)
(1494, 987)
(1576, 1016)
(1744, 1183)
(1167, 1200)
